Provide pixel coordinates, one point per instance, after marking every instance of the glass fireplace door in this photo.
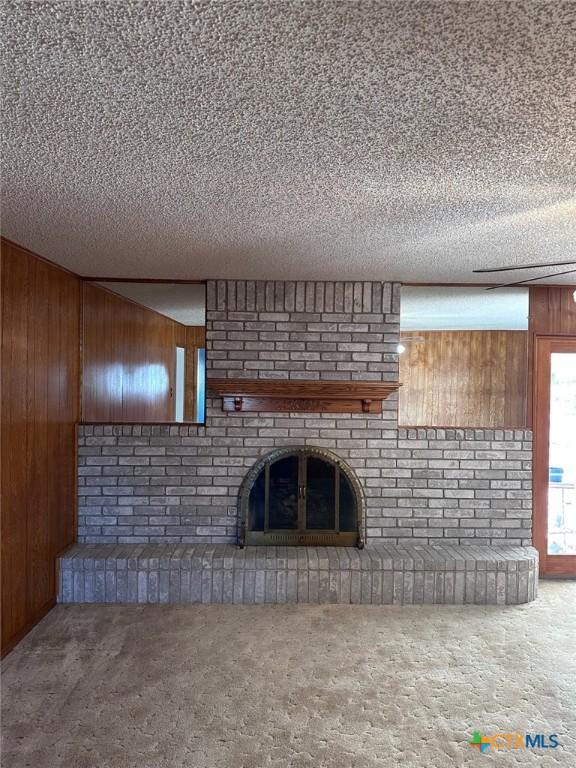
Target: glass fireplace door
(302, 498)
(283, 495)
(320, 496)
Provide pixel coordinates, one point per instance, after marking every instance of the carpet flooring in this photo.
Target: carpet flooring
(292, 686)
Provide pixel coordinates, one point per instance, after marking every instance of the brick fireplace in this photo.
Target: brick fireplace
(141, 484)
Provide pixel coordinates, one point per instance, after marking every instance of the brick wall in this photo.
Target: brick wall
(467, 485)
(303, 330)
(149, 483)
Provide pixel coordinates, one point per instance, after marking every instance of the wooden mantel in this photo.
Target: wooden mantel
(286, 396)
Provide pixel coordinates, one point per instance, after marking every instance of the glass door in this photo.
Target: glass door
(301, 498)
(320, 484)
(283, 492)
(555, 455)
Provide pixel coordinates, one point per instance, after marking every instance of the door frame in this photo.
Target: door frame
(544, 346)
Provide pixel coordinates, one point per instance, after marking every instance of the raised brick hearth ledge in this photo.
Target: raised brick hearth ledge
(380, 574)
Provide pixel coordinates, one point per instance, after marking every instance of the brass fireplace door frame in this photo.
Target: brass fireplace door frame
(300, 537)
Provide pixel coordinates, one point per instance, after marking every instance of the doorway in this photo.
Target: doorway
(555, 455)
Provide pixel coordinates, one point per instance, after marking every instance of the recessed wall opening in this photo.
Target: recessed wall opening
(143, 346)
(463, 357)
(299, 496)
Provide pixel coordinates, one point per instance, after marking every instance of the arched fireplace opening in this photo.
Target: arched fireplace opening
(301, 496)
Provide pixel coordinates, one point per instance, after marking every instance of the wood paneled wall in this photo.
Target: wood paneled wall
(464, 378)
(552, 311)
(128, 359)
(40, 407)
(195, 340)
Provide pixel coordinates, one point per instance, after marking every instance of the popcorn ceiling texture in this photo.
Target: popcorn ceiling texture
(179, 484)
(313, 140)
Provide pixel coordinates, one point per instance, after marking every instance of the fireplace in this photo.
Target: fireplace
(300, 496)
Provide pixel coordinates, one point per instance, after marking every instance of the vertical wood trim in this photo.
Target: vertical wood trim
(541, 425)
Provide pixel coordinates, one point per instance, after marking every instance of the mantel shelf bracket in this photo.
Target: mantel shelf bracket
(285, 396)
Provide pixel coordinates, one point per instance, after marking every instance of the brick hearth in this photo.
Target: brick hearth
(381, 574)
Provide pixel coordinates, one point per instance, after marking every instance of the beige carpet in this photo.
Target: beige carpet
(292, 686)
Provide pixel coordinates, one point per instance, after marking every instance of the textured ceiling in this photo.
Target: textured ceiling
(183, 302)
(303, 139)
(456, 308)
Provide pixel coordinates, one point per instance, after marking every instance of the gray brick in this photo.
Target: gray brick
(438, 469)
